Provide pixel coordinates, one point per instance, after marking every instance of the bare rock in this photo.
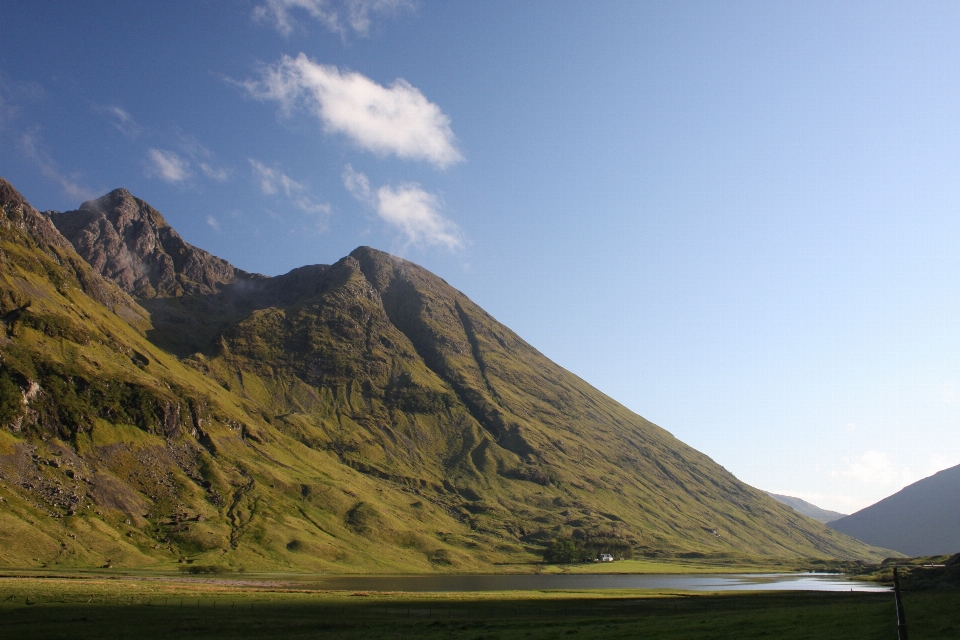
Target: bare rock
(129, 242)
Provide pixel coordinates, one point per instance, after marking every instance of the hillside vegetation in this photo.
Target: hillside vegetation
(362, 416)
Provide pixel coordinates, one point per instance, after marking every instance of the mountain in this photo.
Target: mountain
(807, 509)
(922, 519)
(128, 241)
(158, 404)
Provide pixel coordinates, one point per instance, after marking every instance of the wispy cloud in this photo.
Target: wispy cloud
(872, 476)
(307, 205)
(338, 16)
(48, 168)
(213, 223)
(121, 120)
(416, 213)
(874, 467)
(358, 185)
(167, 166)
(178, 167)
(13, 95)
(408, 207)
(7, 112)
(273, 181)
(202, 157)
(192, 147)
(214, 173)
(395, 120)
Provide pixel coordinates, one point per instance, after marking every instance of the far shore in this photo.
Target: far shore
(643, 566)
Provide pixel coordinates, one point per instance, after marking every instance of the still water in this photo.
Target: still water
(711, 582)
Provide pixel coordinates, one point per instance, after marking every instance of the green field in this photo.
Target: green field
(154, 606)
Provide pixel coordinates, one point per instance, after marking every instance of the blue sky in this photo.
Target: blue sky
(738, 219)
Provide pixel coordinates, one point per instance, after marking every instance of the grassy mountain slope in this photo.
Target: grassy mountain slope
(362, 416)
(115, 452)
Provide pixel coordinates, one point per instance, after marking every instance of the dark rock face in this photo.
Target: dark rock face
(127, 241)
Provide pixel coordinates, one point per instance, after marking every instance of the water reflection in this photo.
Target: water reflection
(717, 582)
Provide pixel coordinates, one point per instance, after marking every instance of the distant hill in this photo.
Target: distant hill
(807, 509)
(923, 519)
(159, 404)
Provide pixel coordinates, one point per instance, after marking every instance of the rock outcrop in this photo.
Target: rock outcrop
(126, 240)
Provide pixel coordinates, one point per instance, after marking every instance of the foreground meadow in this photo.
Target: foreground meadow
(155, 606)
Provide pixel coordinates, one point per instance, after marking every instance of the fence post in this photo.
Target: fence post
(901, 617)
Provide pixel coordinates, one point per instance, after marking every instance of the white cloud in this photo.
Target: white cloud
(13, 94)
(192, 147)
(7, 112)
(123, 121)
(168, 166)
(202, 157)
(873, 467)
(396, 120)
(214, 173)
(309, 206)
(214, 223)
(359, 12)
(409, 208)
(874, 475)
(939, 462)
(339, 17)
(358, 185)
(415, 211)
(272, 181)
(49, 169)
(179, 167)
(878, 468)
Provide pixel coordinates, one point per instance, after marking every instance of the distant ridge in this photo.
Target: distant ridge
(807, 509)
(922, 519)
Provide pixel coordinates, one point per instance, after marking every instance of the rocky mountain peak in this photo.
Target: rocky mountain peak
(128, 241)
(17, 213)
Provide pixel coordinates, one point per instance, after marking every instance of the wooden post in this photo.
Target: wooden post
(901, 618)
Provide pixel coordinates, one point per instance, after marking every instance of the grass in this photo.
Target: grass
(153, 606)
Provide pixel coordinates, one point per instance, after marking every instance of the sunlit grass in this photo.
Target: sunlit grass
(87, 605)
